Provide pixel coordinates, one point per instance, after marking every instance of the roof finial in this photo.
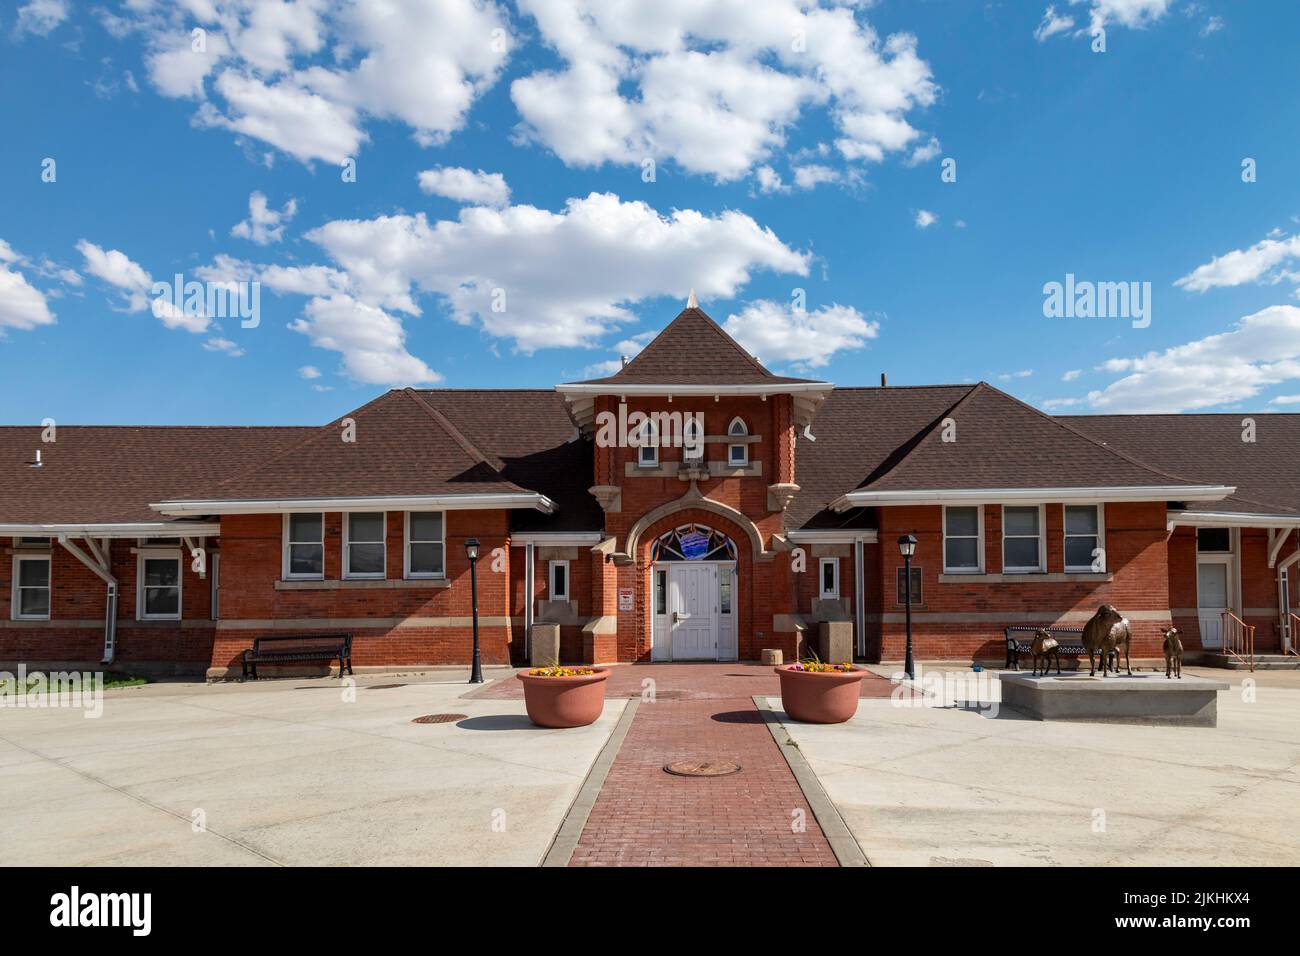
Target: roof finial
(691, 301)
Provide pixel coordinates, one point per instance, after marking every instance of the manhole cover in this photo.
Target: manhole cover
(438, 718)
(384, 686)
(707, 767)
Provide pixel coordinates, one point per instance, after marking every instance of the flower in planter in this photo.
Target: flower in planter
(557, 671)
(813, 665)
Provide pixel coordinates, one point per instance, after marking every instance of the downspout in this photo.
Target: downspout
(100, 564)
(529, 559)
(859, 597)
(1289, 561)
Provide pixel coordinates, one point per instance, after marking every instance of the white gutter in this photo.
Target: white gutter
(833, 536)
(1228, 519)
(557, 538)
(1089, 495)
(139, 529)
(467, 502)
(627, 388)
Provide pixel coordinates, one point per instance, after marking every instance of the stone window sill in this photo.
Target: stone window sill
(361, 584)
(1031, 577)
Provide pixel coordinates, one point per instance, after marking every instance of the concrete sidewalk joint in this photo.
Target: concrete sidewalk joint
(843, 845)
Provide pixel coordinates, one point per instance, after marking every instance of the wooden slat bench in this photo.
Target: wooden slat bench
(298, 648)
(1020, 638)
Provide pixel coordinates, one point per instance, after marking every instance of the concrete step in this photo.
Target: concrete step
(1263, 662)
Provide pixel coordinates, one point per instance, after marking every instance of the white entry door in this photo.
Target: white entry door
(693, 611)
(1212, 585)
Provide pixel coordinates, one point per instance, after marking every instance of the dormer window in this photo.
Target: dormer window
(647, 453)
(737, 454)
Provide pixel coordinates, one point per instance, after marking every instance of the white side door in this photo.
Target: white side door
(1213, 582)
(692, 599)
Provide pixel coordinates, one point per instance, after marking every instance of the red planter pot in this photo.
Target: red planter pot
(564, 701)
(830, 697)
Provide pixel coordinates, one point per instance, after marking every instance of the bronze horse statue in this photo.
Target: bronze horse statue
(1103, 634)
(1173, 653)
(1045, 647)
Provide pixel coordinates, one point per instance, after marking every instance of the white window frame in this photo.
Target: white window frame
(348, 573)
(647, 429)
(692, 435)
(979, 540)
(1101, 540)
(284, 549)
(14, 606)
(407, 542)
(158, 554)
(551, 592)
(742, 448)
(1042, 550)
(834, 593)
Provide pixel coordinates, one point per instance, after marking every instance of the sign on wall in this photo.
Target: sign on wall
(626, 599)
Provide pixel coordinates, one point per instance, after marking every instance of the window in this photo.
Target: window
(424, 545)
(963, 547)
(1083, 538)
(559, 583)
(647, 452)
(693, 437)
(28, 542)
(661, 591)
(900, 583)
(828, 574)
(31, 597)
(724, 588)
(737, 454)
(1022, 538)
(158, 586)
(304, 545)
(364, 552)
(1213, 541)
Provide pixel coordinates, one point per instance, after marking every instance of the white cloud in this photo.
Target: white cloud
(1212, 25)
(775, 332)
(120, 271)
(40, 17)
(812, 175)
(218, 344)
(1261, 350)
(22, 305)
(1052, 24)
(264, 225)
(925, 219)
(1054, 403)
(307, 76)
(1285, 400)
(309, 372)
(1071, 375)
(372, 342)
(714, 85)
(1240, 266)
(465, 185)
(924, 153)
(1011, 376)
(545, 278)
(769, 180)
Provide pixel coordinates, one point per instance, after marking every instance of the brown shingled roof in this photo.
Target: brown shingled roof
(107, 474)
(693, 350)
(1266, 472)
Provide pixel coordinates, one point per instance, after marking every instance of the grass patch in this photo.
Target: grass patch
(112, 679)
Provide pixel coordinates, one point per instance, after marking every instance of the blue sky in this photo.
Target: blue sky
(775, 169)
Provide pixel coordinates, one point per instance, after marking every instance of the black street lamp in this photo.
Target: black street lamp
(907, 548)
(471, 552)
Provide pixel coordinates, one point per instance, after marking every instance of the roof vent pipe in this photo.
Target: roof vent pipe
(37, 462)
(883, 381)
(625, 360)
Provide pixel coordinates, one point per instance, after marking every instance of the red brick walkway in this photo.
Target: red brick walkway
(646, 817)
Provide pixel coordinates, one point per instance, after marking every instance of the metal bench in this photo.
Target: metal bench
(1020, 638)
(297, 648)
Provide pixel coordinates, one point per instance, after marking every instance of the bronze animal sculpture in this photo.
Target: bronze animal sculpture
(1120, 635)
(1098, 639)
(1045, 647)
(1173, 653)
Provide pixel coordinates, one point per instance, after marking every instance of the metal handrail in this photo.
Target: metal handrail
(1293, 631)
(1239, 639)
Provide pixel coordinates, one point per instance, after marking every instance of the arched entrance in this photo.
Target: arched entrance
(693, 595)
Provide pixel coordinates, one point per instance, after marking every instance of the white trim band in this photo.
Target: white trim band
(470, 502)
(992, 496)
(140, 529)
(1226, 519)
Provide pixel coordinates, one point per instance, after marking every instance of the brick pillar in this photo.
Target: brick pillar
(599, 637)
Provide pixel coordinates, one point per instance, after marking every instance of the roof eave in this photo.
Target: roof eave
(130, 529)
(1087, 495)
(457, 502)
(1230, 519)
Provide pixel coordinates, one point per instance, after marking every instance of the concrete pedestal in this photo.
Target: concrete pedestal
(544, 645)
(1140, 699)
(835, 641)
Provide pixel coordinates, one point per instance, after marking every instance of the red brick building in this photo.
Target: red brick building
(691, 506)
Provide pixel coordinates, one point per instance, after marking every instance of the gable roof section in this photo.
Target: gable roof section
(1209, 448)
(1004, 445)
(693, 350)
(855, 432)
(108, 474)
(403, 448)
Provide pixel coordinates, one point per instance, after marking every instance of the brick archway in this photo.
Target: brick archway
(643, 529)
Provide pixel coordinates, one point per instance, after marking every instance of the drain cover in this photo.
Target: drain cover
(384, 686)
(706, 767)
(438, 718)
